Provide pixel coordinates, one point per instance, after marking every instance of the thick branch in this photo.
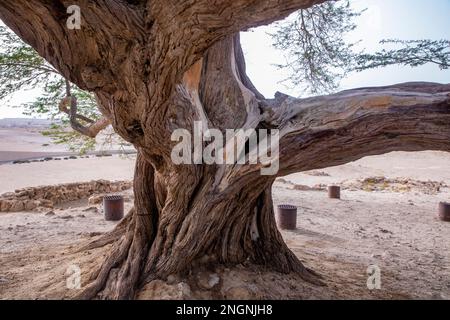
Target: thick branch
(231, 16)
(332, 130)
(208, 22)
(78, 55)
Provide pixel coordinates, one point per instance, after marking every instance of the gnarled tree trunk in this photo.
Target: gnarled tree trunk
(159, 66)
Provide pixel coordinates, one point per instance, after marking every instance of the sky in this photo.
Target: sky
(383, 19)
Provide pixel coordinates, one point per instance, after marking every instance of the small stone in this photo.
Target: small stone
(50, 214)
(214, 280)
(95, 200)
(207, 281)
(30, 205)
(68, 217)
(185, 289)
(17, 206)
(91, 209)
(172, 279)
(95, 234)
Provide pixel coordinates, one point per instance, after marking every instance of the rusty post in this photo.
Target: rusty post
(334, 192)
(114, 207)
(444, 211)
(287, 217)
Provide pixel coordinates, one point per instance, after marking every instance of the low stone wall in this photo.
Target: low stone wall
(29, 199)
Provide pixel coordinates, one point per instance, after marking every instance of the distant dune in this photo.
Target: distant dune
(25, 123)
(21, 140)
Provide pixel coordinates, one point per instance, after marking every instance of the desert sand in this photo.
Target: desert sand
(390, 222)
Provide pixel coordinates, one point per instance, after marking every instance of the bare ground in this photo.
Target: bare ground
(393, 228)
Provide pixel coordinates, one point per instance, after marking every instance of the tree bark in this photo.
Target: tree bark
(158, 66)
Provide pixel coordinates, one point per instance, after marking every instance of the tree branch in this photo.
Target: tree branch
(95, 126)
(30, 66)
(332, 130)
(76, 54)
(211, 21)
(231, 16)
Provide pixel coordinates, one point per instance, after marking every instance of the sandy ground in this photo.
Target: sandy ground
(26, 140)
(15, 176)
(397, 231)
(21, 143)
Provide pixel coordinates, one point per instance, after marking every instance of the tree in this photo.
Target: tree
(317, 54)
(158, 66)
(22, 68)
(413, 53)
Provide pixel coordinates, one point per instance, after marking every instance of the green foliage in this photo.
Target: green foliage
(317, 56)
(21, 68)
(412, 53)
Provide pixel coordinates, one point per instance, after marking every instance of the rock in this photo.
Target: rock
(207, 281)
(31, 205)
(95, 234)
(17, 206)
(8, 195)
(7, 205)
(46, 203)
(185, 289)
(214, 280)
(48, 196)
(91, 209)
(95, 200)
(50, 214)
(81, 216)
(68, 217)
(172, 279)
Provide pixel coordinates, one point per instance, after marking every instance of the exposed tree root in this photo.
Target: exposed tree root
(126, 269)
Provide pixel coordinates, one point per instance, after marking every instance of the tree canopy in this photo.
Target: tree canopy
(22, 69)
(313, 41)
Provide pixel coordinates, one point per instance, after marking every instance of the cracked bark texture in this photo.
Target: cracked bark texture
(157, 66)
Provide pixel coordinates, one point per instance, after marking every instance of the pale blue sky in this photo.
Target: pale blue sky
(403, 19)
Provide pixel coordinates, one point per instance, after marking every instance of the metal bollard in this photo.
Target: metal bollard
(113, 207)
(334, 192)
(444, 211)
(287, 217)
